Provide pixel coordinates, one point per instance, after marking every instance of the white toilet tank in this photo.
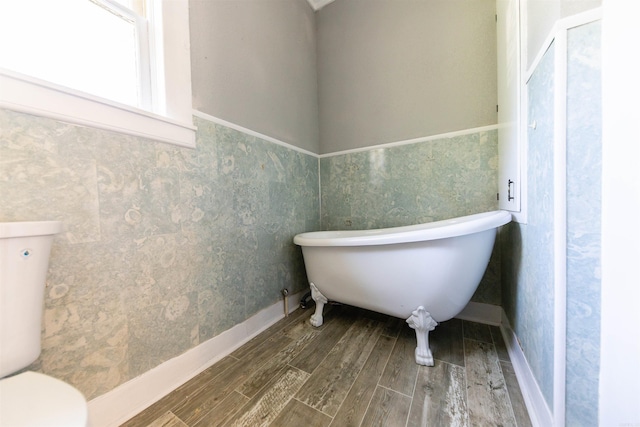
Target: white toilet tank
(29, 399)
(24, 260)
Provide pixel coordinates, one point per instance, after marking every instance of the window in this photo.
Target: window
(117, 64)
(99, 47)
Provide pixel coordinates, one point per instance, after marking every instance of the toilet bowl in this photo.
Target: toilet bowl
(29, 398)
(34, 399)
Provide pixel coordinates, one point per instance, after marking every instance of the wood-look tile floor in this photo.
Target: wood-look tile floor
(357, 369)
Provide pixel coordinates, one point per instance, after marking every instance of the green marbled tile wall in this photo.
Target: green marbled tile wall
(163, 247)
(415, 183)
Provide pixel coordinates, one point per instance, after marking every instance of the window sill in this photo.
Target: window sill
(33, 96)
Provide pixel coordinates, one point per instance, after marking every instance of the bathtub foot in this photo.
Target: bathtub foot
(423, 323)
(316, 320)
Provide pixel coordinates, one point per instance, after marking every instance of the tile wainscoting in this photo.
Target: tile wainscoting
(163, 247)
(166, 248)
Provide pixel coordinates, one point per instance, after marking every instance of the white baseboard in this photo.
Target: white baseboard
(128, 399)
(536, 404)
(481, 313)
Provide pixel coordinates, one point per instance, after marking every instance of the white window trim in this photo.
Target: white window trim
(173, 124)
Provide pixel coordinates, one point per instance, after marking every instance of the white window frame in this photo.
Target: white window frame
(145, 55)
(171, 120)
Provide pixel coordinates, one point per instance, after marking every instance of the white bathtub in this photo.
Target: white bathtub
(424, 273)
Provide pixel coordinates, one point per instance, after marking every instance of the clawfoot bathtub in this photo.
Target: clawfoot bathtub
(424, 273)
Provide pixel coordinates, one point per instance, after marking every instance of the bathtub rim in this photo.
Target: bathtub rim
(442, 229)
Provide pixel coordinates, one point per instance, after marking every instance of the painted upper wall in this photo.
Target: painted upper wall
(253, 63)
(541, 16)
(395, 70)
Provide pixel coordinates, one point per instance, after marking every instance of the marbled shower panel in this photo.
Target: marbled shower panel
(528, 259)
(412, 184)
(163, 247)
(584, 201)
(528, 264)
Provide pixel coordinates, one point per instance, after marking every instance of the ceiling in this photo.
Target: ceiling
(318, 4)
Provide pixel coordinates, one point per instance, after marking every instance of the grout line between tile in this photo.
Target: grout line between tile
(359, 373)
(395, 391)
(309, 406)
(378, 383)
(485, 342)
(413, 396)
(513, 414)
(466, 379)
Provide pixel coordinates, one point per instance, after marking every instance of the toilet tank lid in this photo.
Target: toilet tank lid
(34, 399)
(10, 230)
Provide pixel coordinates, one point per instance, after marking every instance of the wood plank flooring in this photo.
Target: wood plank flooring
(357, 369)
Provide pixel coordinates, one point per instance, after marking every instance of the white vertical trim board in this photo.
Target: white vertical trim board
(560, 228)
(509, 101)
(125, 401)
(521, 216)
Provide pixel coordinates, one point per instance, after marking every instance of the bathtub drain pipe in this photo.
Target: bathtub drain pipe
(285, 292)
